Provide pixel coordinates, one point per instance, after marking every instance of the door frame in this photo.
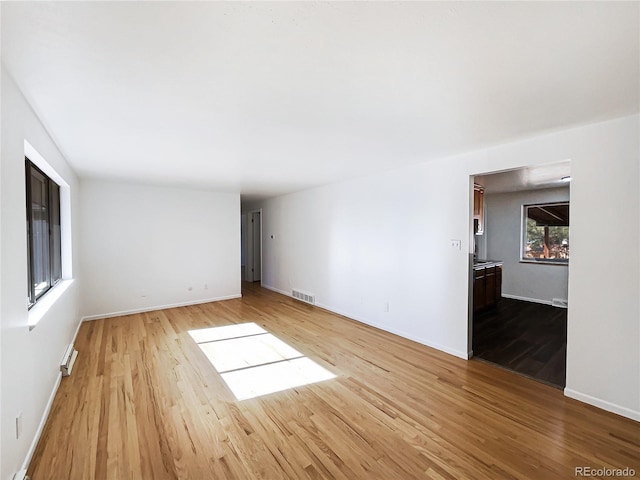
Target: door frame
(472, 244)
(249, 245)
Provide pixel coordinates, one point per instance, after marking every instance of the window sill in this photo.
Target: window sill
(545, 262)
(40, 309)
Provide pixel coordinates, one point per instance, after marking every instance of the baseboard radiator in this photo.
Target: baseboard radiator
(68, 360)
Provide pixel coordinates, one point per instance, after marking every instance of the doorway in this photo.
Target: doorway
(251, 245)
(524, 244)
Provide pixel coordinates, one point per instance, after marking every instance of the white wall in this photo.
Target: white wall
(503, 232)
(362, 244)
(30, 359)
(385, 239)
(148, 247)
(603, 349)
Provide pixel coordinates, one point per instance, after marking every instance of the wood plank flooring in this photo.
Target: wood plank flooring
(144, 402)
(528, 338)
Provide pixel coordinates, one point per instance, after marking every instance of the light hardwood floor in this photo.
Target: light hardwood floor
(144, 402)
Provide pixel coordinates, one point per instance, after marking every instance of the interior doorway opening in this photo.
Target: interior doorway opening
(520, 253)
(251, 246)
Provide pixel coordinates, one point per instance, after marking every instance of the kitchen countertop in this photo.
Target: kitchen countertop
(481, 263)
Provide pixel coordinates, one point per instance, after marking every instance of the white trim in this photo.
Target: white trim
(34, 156)
(65, 207)
(437, 346)
(442, 348)
(603, 404)
(527, 299)
(47, 410)
(274, 289)
(543, 262)
(523, 229)
(43, 421)
(159, 307)
(45, 415)
(75, 335)
(20, 475)
(40, 309)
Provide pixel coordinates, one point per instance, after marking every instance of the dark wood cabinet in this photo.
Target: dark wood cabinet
(479, 290)
(487, 286)
(490, 285)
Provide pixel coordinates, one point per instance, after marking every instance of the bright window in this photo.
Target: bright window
(253, 362)
(546, 233)
(43, 233)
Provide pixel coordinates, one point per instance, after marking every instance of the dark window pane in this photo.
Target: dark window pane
(546, 236)
(44, 233)
(54, 207)
(40, 232)
(549, 215)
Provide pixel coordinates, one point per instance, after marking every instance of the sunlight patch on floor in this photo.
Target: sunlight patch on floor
(226, 331)
(254, 362)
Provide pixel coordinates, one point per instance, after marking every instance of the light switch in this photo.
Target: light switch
(457, 244)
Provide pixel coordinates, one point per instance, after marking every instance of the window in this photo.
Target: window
(43, 232)
(546, 233)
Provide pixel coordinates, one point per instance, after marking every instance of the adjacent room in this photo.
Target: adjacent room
(337, 240)
(520, 270)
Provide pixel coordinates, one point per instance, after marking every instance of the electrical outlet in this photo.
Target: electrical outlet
(18, 425)
(456, 244)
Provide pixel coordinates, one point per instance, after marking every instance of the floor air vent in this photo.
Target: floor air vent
(68, 360)
(304, 297)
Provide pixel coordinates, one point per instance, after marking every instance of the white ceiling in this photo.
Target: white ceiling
(267, 98)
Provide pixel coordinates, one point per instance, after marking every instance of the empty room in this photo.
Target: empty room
(285, 240)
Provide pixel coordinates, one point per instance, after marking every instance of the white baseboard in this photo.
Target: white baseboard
(43, 421)
(277, 290)
(158, 307)
(603, 404)
(400, 333)
(20, 475)
(442, 348)
(527, 299)
(75, 335)
(47, 410)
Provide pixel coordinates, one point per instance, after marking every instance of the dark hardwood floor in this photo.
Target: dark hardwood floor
(527, 338)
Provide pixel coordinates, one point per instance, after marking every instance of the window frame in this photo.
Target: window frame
(523, 235)
(54, 235)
